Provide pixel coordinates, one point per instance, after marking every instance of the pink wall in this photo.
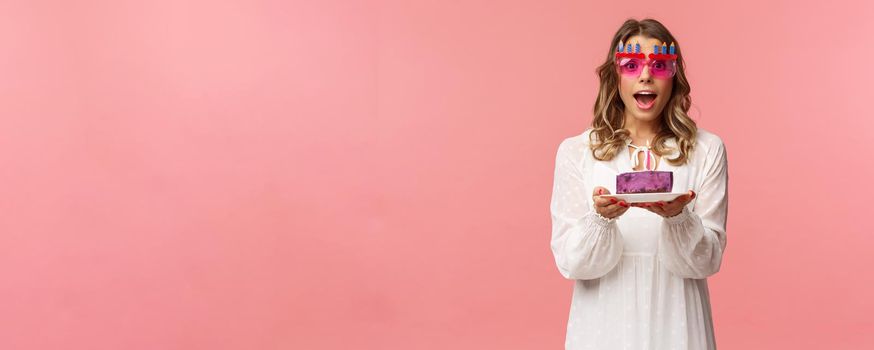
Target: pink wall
(376, 175)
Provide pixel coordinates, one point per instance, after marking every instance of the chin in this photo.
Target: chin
(647, 115)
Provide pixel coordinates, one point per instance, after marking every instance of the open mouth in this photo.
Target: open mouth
(645, 100)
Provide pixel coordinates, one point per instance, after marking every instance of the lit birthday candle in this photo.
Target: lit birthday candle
(619, 47)
(628, 48)
(636, 48)
(655, 49)
(664, 48)
(672, 49)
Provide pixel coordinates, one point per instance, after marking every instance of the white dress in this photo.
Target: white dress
(639, 280)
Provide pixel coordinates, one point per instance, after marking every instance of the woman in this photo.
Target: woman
(640, 269)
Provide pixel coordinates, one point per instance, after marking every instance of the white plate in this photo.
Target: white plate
(645, 197)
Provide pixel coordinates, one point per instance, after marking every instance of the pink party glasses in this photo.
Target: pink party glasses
(662, 65)
(658, 68)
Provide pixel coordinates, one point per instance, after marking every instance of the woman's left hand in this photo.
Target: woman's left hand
(670, 208)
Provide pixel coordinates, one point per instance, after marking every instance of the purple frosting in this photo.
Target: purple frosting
(645, 182)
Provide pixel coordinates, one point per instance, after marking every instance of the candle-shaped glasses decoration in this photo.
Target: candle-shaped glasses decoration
(628, 50)
(660, 52)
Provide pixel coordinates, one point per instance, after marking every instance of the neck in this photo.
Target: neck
(642, 129)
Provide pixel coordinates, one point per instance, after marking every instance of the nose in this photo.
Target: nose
(644, 75)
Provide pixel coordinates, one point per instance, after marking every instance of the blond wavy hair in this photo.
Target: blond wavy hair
(609, 135)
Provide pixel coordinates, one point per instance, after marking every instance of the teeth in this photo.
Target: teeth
(646, 93)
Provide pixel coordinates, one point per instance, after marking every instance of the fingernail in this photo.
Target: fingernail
(612, 200)
(693, 194)
(600, 190)
(623, 204)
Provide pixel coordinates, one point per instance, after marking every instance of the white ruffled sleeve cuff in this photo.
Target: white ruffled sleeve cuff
(680, 218)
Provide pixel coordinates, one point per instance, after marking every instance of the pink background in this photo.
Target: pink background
(377, 175)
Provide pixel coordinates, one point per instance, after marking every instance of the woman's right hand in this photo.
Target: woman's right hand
(608, 207)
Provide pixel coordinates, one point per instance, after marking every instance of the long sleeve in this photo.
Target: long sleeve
(692, 242)
(584, 244)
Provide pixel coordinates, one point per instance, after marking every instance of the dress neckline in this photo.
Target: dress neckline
(671, 143)
(631, 160)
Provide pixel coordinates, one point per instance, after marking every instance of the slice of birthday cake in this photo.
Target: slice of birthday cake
(646, 181)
